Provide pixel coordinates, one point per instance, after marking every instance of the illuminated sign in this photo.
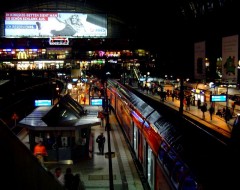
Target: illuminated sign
(218, 98)
(43, 102)
(58, 41)
(96, 101)
(52, 24)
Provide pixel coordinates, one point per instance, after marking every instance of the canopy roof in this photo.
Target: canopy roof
(67, 114)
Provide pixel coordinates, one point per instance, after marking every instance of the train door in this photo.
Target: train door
(161, 181)
(135, 139)
(145, 152)
(150, 167)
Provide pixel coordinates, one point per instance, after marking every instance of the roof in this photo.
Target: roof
(67, 114)
(169, 28)
(140, 15)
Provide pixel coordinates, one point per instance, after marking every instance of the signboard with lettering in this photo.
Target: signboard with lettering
(58, 41)
(43, 102)
(96, 101)
(52, 24)
(218, 98)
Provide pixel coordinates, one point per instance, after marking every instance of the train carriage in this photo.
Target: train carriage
(152, 139)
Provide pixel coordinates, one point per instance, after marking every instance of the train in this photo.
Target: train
(165, 143)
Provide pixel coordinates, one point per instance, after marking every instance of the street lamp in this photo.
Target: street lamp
(227, 95)
(238, 74)
(146, 78)
(206, 68)
(181, 96)
(57, 89)
(69, 87)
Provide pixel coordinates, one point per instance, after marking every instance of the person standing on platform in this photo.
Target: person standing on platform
(40, 152)
(233, 108)
(59, 175)
(199, 103)
(228, 115)
(68, 179)
(173, 96)
(101, 140)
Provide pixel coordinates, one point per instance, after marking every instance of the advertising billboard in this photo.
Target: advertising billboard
(44, 24)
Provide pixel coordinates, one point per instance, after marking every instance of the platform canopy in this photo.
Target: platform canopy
(67, 114)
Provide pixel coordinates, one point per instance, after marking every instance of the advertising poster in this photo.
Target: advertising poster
(229, 58)
(199, 57)
(18, 24)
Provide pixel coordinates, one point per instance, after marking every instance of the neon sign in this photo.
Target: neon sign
(58, 41)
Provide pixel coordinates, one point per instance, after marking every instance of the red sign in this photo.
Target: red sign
(14, 116)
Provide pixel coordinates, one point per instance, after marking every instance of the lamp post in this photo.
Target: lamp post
(107, 127)
(57, 89)
(227, 95)
(146, 78)
(69, 87)
(206, 68)
(181, 96)
(238, 75)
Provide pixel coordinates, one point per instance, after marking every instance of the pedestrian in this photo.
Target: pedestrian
(84, 99)
(204, 109)
(211, 111)
(59, 175)
(227, 114)
(219, 113)
(68, 179)
(173, 95)
(233, 107)
(199, 103)
(78, 184)
(101, 140)
(40, 152)
(188, 103)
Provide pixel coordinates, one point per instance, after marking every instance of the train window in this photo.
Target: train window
(178, 173)
(189, 183)
(163, 150)
(169, 161)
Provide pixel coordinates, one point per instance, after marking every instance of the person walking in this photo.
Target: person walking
(101, 140)
(204, 109)
(211, 111)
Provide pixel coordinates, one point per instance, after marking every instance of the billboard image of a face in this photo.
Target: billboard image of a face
(19, 24)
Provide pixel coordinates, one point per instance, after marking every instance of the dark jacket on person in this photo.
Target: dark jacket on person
(69, 179)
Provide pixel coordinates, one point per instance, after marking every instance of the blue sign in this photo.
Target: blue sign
(218, 98)
(43, 102)
(96, 101)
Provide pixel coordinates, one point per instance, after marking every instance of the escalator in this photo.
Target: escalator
(21, 170)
